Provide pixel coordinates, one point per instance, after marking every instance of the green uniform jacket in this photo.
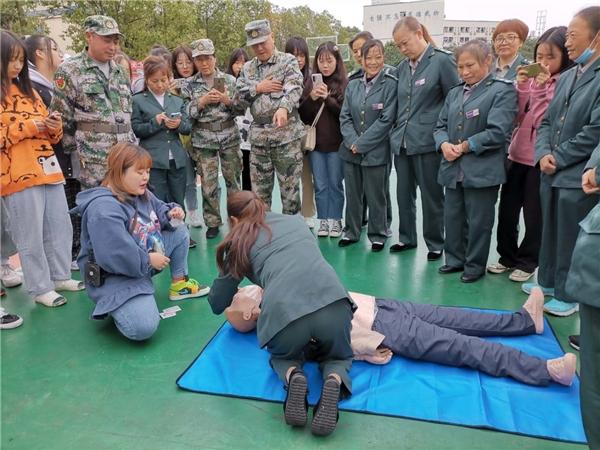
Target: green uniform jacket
(583, 282)
(420, 99)
(366, 119)
(155, 138)
(83, 94)
(281, 67)
(486, 119)
(570, 130)
(295, 277)
(512, 72)
(191, 91)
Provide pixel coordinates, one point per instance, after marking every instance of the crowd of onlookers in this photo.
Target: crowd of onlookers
(465, 128)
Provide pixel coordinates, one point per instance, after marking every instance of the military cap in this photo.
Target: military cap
(202, 47)
(101, 25)
(257, 31)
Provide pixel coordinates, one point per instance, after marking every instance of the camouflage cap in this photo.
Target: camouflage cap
(257, 31)
(101, 25)
(202, 47)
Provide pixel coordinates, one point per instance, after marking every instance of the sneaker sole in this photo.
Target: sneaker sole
(326, 417)
(520, 279)
(562, 313)
(323, 233)
(576, 347)
(200, 293)
(15, 324)
(498, 271)
(295, 413)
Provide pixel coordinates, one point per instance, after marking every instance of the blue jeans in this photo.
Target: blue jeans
(328, 174)
(138, 318)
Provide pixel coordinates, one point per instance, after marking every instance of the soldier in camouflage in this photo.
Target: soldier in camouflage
(215, 135)
(92, 93)
(271, 85)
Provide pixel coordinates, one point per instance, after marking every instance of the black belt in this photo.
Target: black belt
(216, 126)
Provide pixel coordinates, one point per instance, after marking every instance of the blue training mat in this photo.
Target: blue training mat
(233, 365)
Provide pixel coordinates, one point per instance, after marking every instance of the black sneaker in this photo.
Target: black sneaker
(574, 341)
(8, 321)
(192, 243)
(212, 232)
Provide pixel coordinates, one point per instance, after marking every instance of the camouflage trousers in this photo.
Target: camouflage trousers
(91, 173)
(207, 164)
(285, 161)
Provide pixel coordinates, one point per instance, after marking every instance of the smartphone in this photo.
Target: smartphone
(175, 115)
(533, 70)
(317, 78)
(219, 84)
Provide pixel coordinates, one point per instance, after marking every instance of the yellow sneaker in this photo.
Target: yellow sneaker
(187, 288)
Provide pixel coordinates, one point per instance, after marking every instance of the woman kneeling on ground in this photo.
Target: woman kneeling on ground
(303, 302)
(128, 235)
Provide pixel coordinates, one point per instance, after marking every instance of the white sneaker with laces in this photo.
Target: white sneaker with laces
(194, 218)
(323, 230)
(10, 277)
(8, 321)
(310, 222)
(562, 370)
(69, 285)
(335, 228)
(74, 266)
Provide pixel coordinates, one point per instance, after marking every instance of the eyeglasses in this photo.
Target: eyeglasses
(509, 38)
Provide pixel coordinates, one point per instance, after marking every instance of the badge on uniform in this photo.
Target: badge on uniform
(60, 82)
(472, 113)
(420, 82)
(377, 106)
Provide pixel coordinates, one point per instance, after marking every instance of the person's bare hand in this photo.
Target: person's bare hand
(53, 122)
(451, 152)
(588, 182)
(160, 118)
(280, 118)
(548, 164)
(522, 75)
(176, 213)
(354, 149)
(210, 98)
(158, 260)
(172, 123)
(40, 125)
(543, 76)
(319, 91)
(269, 85)
(224, 97)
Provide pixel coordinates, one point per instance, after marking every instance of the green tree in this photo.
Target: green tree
(22, 17)
(527, 49)
(392, 55)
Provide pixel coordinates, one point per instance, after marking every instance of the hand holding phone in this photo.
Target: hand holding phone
(219, 84)
(317, 79)
(532, 70)
(175, 115)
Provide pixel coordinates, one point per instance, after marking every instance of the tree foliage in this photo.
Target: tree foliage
(20, 17)
(392, 55)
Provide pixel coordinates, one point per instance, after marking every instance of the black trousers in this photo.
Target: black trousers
(246, 182)
(521, 191)
(590, 373)
(169, 184)
(323, 336)
(72, 188)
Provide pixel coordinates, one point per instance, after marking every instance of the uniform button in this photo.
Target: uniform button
(168, 142)
(407, 109)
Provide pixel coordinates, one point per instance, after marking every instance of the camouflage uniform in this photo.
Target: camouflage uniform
(210, 146)
(274, 150)
(96, 110)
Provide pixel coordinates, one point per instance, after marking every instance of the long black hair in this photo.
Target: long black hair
(38, 42)
(237, 54)
(10, 46)
(338, 80)
(555, 36)
(298, 45)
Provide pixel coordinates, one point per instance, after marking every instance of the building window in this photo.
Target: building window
(445, 29)
(402, 13)
(450, 29)
(427, 13)
(436, 13)
(372, 19)
(379, 17)
(418, 14)
(388, 17)
(396, 16)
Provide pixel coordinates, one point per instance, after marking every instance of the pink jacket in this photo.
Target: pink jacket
(533, 103)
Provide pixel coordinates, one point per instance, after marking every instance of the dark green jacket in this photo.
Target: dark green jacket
(512, 72)
(366, 119)
(420, 99)
(570, 130)
(155, 138)
(295, 277)
(486, 120)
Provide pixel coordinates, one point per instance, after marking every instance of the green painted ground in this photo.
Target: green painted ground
(72, 383)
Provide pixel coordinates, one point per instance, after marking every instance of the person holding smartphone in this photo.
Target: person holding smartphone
(215, 136)
(158, 119)
(535, 87)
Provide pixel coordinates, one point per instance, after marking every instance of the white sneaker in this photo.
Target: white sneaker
(69, 285)
(8, 321)
(535, 307)
(310, 222)
(335, 228)
(562, 370)
(497, 268)
(194, 218)
(51, 299)
(323, 228)
(10, 277)
(520, 275)
(74, 266)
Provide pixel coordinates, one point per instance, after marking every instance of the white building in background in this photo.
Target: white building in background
(381, 15)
